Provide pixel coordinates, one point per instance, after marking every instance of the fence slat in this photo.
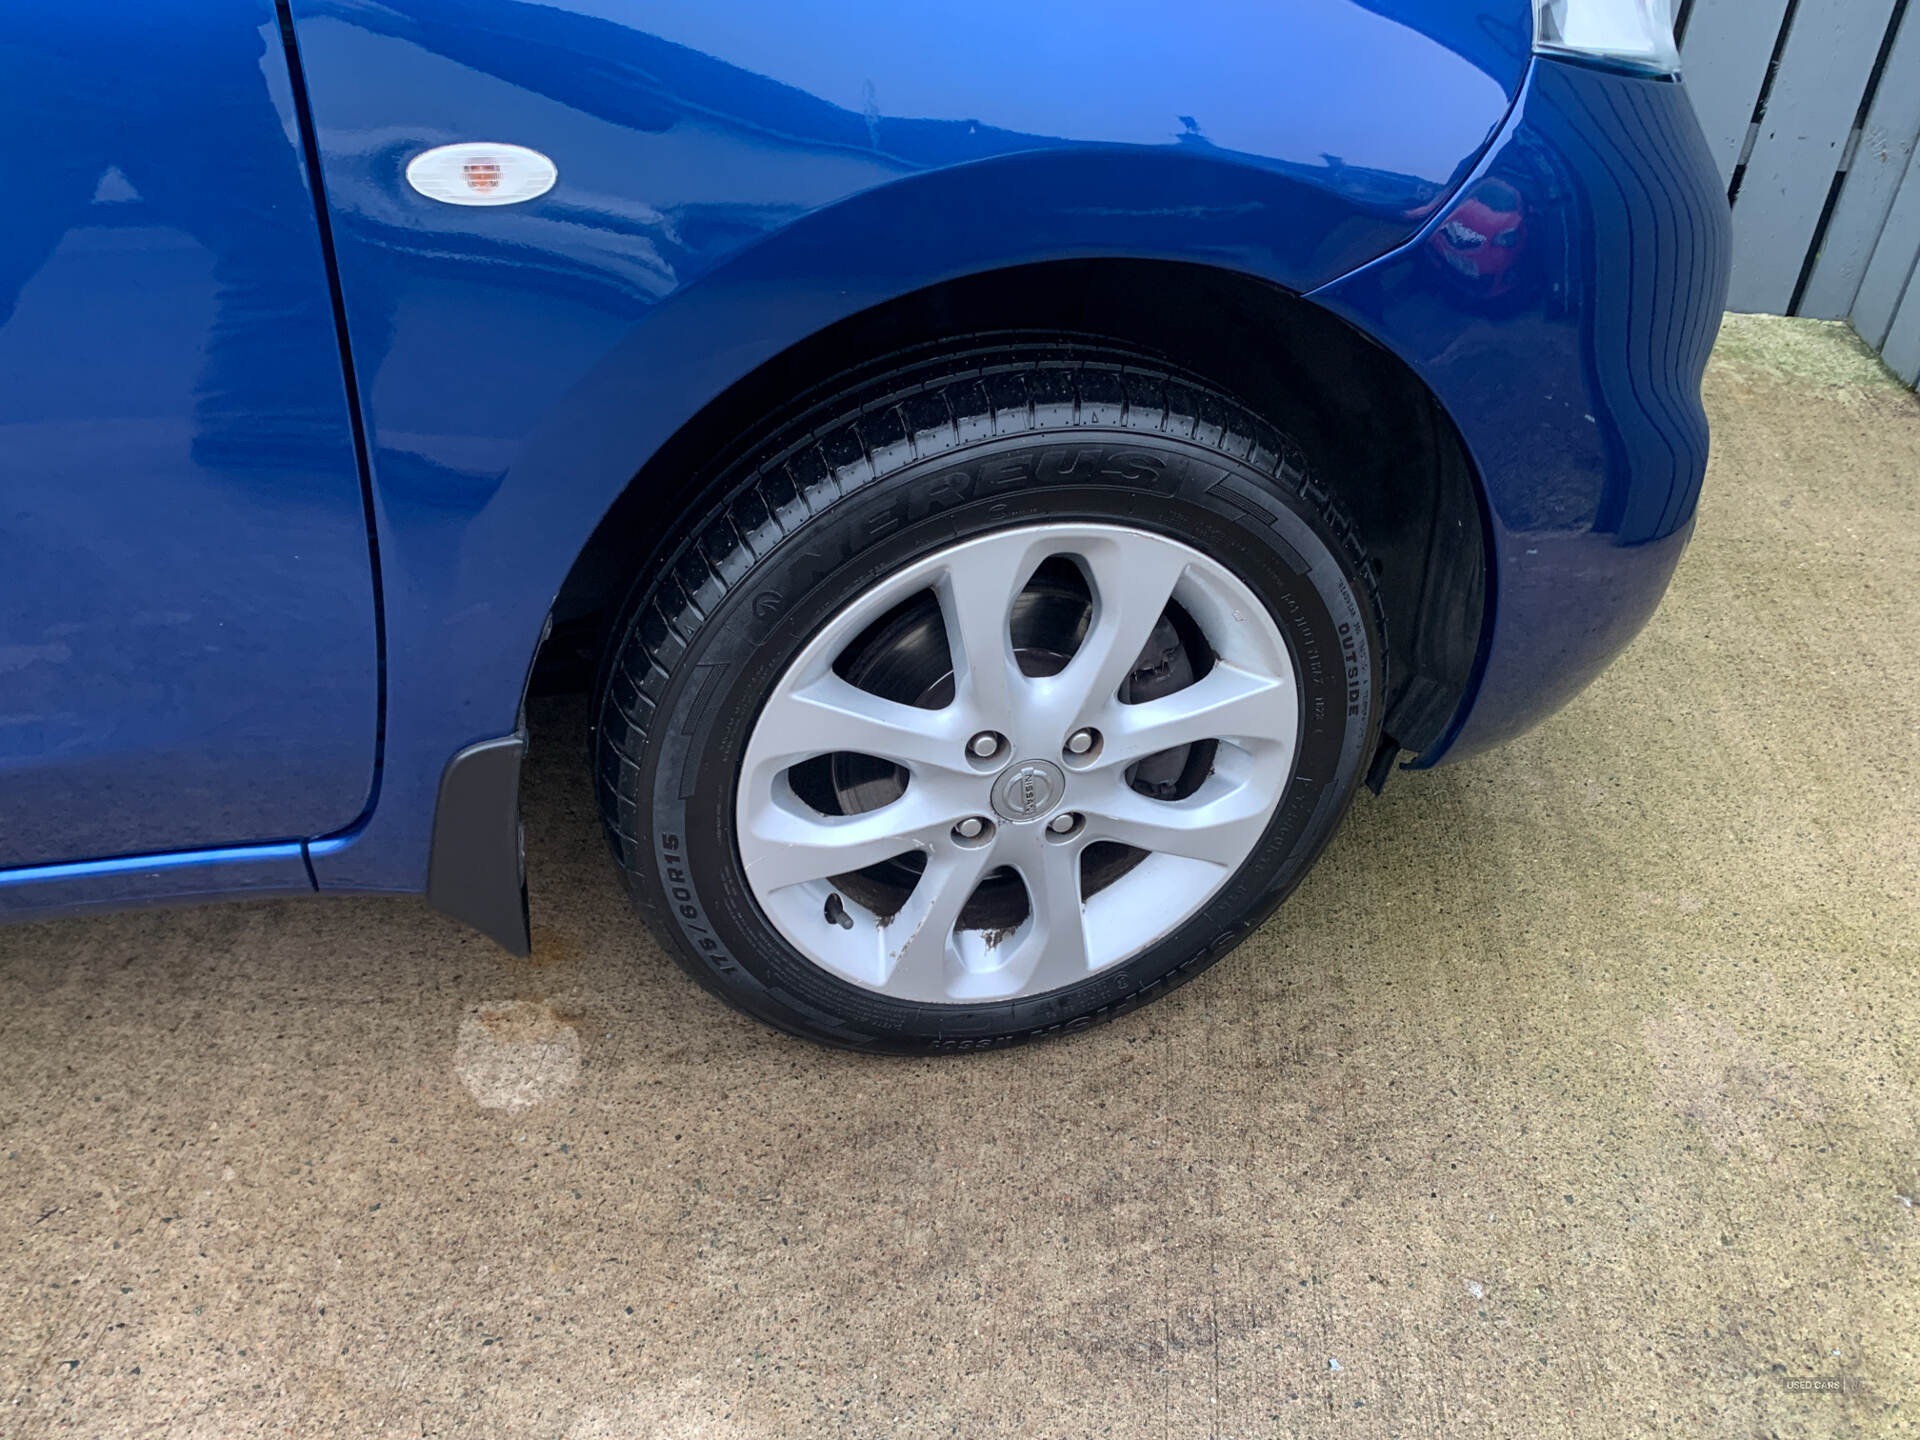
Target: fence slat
(1891, 269)
(1903, 343)
(1810, 112)
(1886, 144)
(1729, 43)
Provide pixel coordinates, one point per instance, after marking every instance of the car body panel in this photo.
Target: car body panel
(1608, 303)
(519, 364)
(181, 877)
(188, 654)
(1538, 241)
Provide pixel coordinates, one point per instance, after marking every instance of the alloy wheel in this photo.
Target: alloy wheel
(1016, 763)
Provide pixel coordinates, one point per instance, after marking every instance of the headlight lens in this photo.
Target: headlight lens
(1637, 34)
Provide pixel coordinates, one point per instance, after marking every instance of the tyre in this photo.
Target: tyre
(993, 696)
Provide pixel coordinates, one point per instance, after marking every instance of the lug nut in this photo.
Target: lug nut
(970, 828)
(984, 744)
(1080, 742)
(1063, 822)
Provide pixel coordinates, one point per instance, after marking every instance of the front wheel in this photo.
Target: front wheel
(994, 696)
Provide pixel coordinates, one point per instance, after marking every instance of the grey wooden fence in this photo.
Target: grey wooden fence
(1813, 111)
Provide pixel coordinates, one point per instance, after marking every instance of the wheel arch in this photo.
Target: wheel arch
(1386, 446)
(855, 282)
(717, 206)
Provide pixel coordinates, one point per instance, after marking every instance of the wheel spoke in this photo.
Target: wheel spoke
(829, 715)
(1226, 704)
(1133, 579)
(916, 941)
(1218, 826)
(781, 846)
(976, 604)
(1059, 938)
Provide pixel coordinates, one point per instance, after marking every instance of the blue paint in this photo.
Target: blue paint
(187, 649)
(1563, 310)
(251, 872)
(733, 176)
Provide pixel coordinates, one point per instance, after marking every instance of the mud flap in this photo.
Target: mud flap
(477, 872)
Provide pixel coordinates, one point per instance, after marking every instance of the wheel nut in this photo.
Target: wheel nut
(1080, 742)
(970, 828)
(1063, 822)
(984, 744)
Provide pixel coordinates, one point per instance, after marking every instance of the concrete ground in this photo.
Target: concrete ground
(1574, 1095)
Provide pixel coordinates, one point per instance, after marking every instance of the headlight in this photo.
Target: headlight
(1636, 34)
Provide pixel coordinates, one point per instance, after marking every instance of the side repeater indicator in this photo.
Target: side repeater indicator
(481, 173)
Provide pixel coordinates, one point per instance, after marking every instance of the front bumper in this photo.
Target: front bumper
(1562, 309)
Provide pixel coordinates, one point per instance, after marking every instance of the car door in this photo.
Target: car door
(188, 651)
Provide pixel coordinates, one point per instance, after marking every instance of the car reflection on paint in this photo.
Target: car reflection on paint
(1485, 237)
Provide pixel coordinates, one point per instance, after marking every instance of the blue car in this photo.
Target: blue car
(1007, 473)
